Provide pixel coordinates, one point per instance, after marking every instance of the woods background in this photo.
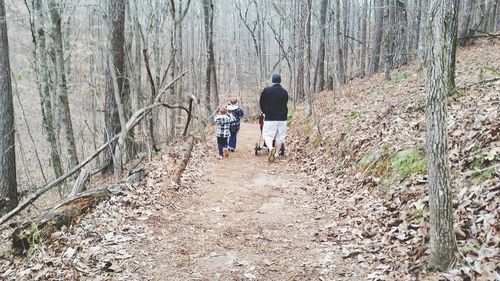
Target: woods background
(229, 48)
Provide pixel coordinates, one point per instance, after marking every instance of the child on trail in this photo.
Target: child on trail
(234, 109)
(223, 120)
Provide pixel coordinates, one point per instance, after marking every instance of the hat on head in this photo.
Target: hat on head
(276, 78)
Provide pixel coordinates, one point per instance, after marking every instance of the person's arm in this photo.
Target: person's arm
(217, 120)
(262, 101)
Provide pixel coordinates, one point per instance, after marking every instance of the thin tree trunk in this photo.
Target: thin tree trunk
(388, 38)
(208, 70)
(442, 39)
(211, 100)
(46, 103)
(319, 75)
(465, 22)
(400, 41)
(493, 15)
(422, 42)
(129, 78)
(138, 66)
(497, 17)
(339, 47)
(8, 177)
(301, 24)
(364, 45)
(307, 77)
(117, 47)
(62, 88)
(377, 40)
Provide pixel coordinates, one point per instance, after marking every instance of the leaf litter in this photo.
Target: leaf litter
(376, 224)
(381, 222)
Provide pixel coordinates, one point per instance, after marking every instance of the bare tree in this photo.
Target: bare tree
(42, 74)
(339, 47)
(253, 27)
(442, 41)
(177, 15)
(211, 99)
(377, 39)
(8, 178)
(115, 68)
(493, 15)
(389, 22)
(62, 87)
(319, 74)
(363, 31)
(467, 14)
(400, 44)
(301, 25)
(423, 29)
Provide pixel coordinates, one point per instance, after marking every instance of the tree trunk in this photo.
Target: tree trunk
(45, 99)
(493, 15)
(319, 75)
(307, 78)
(465, 22)
(422, 42)
(339, 47)
(442, 39)
(8, 178)
(377, 39)
(364, 45)
(129, 78)
(497, 16)
(171, 98)
(117, 47)
(388, 38)
(400, 41)
(177, 14)
(301, 25)
(211, 100)
(62, 88)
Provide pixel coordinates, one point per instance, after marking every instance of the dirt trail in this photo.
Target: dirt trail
(247, 220)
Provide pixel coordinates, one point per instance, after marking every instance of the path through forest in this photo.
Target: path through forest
(247, 219)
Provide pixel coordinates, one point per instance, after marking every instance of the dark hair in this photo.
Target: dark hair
(276, 78)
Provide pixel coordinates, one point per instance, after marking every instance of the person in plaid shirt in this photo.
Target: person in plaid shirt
(223, 122)
(234, 109)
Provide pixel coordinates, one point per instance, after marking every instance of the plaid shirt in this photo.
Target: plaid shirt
(238, 114)
(223, 123)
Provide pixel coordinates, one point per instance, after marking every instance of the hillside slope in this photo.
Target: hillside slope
(347, 203)
(364, 153)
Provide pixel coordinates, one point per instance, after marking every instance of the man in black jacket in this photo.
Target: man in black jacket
(273, 103)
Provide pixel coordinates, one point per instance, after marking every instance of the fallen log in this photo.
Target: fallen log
(37, 230)
(132, 122)
(186, 150)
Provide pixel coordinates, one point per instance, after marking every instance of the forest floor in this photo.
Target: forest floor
(349, 202)
(240, 218)
(246, 219)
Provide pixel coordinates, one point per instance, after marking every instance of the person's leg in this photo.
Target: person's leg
(268, 133)
(219, 147)
(280, 135)
(225, 151)
(235, 139)
(232, 141)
